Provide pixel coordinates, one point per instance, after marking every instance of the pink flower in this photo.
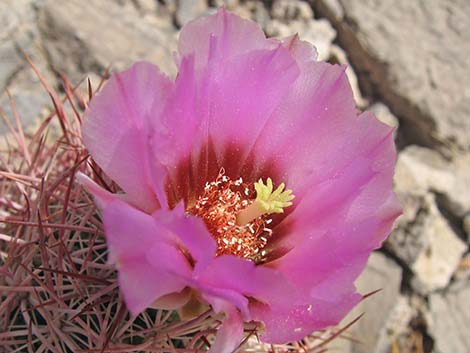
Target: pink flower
(242, 106)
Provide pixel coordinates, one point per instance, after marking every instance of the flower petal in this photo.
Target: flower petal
(173, 301)
(143, 282)
(102, 196)
(215, 115)
(292, 324)
(356, 189)
(118, 126)
(230, 334)
(238, 98)
(235, 36)
(310, 126)
(338, 222)
(242, 276)
(190, 230)
(302, 51)
(150, 265)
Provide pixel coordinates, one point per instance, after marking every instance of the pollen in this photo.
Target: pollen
(267, 201)
(220, 204)
(237, 213)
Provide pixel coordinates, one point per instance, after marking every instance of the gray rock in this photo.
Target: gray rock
(420, 170)
(229, 4)
(415, 53)
(384, 114)
(427, 243)
(381, 309)
(188, 10)
(291, 10)
(466, 226)
(17, 21)
(438, 261)
(146, 7)
(290, 17)
(80, 39)
(318, 32)
(10, 63)
(450, 319)
(30, 103)
(463, 271)
(408, 240)
(20, 34)
(258, 12)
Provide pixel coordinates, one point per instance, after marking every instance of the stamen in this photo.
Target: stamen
(267, 201)
(236, 218)
(219, 205)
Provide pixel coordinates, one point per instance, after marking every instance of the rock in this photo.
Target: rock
(229, 4)
(420, 170)
(450, 316)
(20, 34)
(291, 10)
(258, 11)
(426, 243)
(168, 8)
(457, 195)
(381, 309)
(466, 226)
(318, 32)
(146, 7)
(384, 114)
(332, 8)
(10, 63)
(416, 57)
(408, 240)
(463, 271)
(188, 10)
(436, 264)
(10, 14)
(80, 39)
(290, 17)
(30, 101)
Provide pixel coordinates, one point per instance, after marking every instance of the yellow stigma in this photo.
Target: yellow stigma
(267, 201)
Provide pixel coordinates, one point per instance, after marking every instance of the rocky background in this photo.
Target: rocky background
(408, 62)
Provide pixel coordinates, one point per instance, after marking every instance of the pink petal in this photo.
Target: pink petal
(355, 189)
(179, 122)
(220, 111)
(311, 126)
(293, 324)
(242, 276)
(230, 334)
(173, 301)
(216, 296)
(102, 196)
(118, 126)
(150, 264)
(235, 36)
(238, 97)
(143, 282)
(191, 232)
(232, 111)
(302, 51)
(339, 219)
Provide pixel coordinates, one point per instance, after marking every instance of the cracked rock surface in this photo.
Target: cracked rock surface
(414, 55)
(408, 63)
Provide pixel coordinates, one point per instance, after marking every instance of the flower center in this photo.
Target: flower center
(236, 213)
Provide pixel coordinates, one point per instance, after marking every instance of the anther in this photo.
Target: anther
(267, 201)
